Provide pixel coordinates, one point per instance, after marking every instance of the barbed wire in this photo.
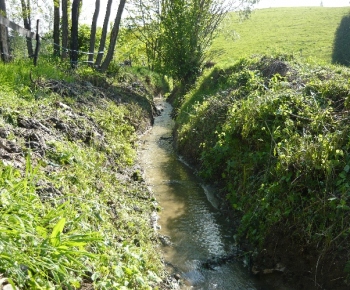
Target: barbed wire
(19, 49)
(24, 33)
(77, 51)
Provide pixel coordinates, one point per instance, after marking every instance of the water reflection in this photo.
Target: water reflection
(197, 231)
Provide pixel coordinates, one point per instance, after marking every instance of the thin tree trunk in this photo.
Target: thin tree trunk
(114, 36)
(27, 24)
(74, 33)
(56, 28)
(93, 32)
(104, 34)
(64, 28)
(4, 44)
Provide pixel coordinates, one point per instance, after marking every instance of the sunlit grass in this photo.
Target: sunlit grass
(305, 31)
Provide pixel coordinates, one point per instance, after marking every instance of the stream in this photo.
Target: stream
(200, 239)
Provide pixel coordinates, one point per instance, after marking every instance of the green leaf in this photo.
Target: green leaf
(127, 271)
(56, 232)
(81, 240)
(140, 280)
(41, 231)
(5, 256)
(342, 175)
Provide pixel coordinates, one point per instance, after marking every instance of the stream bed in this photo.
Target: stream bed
(200, 244)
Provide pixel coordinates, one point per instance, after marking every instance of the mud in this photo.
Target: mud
(301, 264)
(65, 119)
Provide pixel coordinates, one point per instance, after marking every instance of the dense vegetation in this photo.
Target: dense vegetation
(273, 132)
(305, 31)
(74, 210)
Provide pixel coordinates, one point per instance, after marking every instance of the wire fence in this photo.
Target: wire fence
(19, 40)
(5, 25)
(79, 52)
(18, 50)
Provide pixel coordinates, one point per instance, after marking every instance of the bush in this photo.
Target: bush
(275, 134)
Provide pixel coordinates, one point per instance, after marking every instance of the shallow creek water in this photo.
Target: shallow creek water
(190, 217)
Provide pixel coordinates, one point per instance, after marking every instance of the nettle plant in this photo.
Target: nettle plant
(281, 148)
(283, 142)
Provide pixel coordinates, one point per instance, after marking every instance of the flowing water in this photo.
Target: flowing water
(201, 238)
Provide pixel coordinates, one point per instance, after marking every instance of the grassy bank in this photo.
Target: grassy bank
(306, 31)
(273, 132)
(75, 212)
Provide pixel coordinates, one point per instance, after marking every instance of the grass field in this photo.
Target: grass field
(306, 31)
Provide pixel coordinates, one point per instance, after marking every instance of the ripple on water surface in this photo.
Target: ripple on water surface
(198, 232)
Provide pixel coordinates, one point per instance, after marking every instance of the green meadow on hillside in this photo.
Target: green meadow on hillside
(306, 31)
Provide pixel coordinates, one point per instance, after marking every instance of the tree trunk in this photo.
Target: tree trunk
(27, 24)
(56, 28)
(93, 32)
(114, 36)
(104, 34)
(74, 33)
(4, 44)
(64, 28)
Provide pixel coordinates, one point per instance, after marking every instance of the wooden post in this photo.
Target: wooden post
(4, 43)
(74, 34)
(37, 47)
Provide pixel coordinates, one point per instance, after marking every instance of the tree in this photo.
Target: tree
(74, 33)
(84, 37)
(104, 34)
(26, 16)
(93, 32)
(113, 36)
(144, 23)
(56, 27)
(187, 30)
(341, 53)
(4, 45)
(64, 28)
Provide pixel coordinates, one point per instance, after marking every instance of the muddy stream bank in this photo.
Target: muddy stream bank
(198, 240)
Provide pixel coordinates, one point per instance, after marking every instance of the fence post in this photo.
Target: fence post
(4, 47)
(37, 47)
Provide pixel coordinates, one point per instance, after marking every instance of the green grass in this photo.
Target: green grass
(305, 31)
(73, 216)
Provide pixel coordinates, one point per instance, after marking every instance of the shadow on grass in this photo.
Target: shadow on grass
(341, 51)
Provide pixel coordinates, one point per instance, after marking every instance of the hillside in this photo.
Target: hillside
(306, 31)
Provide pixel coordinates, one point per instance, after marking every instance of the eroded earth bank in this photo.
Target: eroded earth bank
(75, 212)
